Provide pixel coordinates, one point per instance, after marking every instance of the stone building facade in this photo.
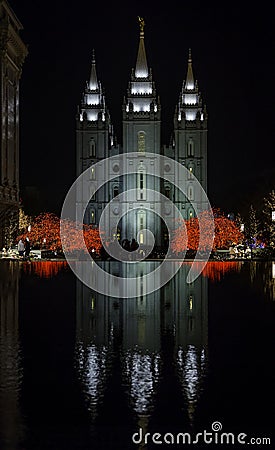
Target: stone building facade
(141, 120)
(12, 55)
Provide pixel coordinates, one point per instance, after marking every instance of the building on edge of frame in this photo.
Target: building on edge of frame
(13, 52)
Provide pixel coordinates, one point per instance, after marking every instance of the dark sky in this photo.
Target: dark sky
(233, 61)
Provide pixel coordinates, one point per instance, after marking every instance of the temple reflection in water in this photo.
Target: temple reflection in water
(135, 327)
(89, 371)
(11, 372)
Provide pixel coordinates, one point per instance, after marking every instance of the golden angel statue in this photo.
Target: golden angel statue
(141, 23)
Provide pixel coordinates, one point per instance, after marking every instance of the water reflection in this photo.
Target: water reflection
(133, 329)
(271, 282)
(215, 270)
(43, 269)
(102, 364)
(10, 357)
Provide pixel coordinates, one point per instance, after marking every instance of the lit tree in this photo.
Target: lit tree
(252, 227)
(24, 221)
(240, 222)
(45, 233)
(16, 221)
(10, 228)
(268, 222)
(227, 232)
(92, 238)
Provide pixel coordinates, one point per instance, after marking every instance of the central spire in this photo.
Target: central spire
(190, 77)
(141, 65)
(93, 83)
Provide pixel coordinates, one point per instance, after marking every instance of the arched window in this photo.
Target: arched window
(190, 302)
(190, 192)
(141, 225)
(92, 147)
(141, 142)
(92, 172)
(141, 183)
(92, 216)
(190, 147)
(92, 191)
(167, 191)
(115, 191)
(116, 232)
(190, 213)
(191, 172)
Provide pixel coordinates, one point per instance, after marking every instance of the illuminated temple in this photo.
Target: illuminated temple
(141, 125)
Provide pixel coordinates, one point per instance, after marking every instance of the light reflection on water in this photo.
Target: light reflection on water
(92, 362)
(178, 309)
(142, 373)
(43, 269)
(191, 370)
(128, 344)
(11, 370)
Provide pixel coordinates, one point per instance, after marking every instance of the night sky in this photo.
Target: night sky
(233, 61)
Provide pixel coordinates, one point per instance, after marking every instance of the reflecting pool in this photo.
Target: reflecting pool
(80, 370)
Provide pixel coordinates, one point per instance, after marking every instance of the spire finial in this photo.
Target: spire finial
(141, 65)
(190, 83)
(93, 83)
(141, 24)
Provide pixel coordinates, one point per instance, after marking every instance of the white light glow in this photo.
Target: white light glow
(143, 87)
(141, 108)
(189, 99)
(141, 91)
(92, 116)
(92, 99)
(141, 104)
(142, 371)
(189, 86)
(141, 73)
(190, 115)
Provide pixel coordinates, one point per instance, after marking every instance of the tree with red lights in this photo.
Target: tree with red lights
(227, 232)
(44, 233)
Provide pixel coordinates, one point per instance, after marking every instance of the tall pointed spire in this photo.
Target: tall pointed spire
(190, 104)
(93, 83)
(93, 106)
(189, 84)
(141, 65)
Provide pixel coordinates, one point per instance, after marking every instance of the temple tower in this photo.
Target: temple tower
(94, 139)
(141, 134)
(190, 141)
